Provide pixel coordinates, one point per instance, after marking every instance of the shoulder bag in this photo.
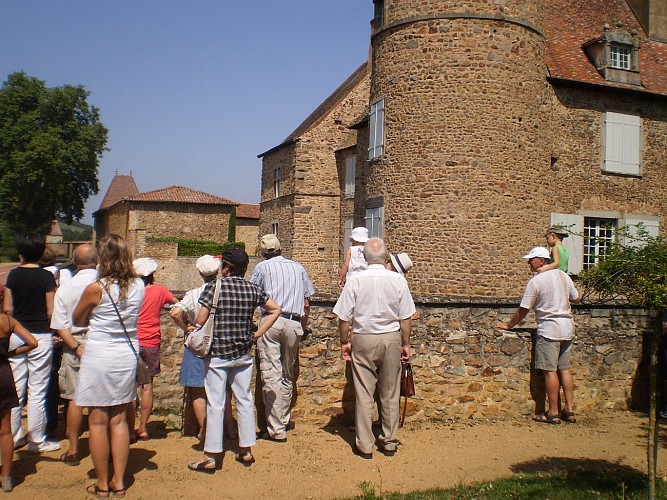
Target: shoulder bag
(199, 340)
(407, 388)
(143, 373)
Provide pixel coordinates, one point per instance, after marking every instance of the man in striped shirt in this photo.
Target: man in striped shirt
(288, 284)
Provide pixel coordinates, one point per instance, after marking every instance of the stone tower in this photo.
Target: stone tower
(466, 139)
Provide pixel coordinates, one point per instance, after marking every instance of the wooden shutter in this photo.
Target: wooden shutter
(574, 243)
(622, 143)
(632, 221)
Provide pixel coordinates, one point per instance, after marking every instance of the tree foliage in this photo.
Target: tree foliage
(51, 142)
(636, 272)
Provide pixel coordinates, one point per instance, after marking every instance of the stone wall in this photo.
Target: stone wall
(464, 368)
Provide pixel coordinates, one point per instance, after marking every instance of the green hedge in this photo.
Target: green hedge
(197, 248)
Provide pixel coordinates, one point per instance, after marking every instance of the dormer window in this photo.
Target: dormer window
(619, 56)
(615, 55)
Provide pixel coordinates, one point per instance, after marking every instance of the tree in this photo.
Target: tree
(231, 230)
(51, 142)
(636, 273)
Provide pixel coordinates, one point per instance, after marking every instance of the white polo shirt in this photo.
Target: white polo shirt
(375, 300)
(549, 295)
(67, 297)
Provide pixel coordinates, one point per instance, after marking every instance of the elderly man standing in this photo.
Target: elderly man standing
(379, 305)
(74, 339)
(549, 294)
(288, 284)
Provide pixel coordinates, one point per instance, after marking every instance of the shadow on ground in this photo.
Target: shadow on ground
(589, 474)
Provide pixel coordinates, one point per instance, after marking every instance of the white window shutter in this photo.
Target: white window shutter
(622, 143)
(350, 174)
(632, 221)
(574, 243)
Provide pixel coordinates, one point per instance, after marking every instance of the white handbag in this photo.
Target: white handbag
(199, 340)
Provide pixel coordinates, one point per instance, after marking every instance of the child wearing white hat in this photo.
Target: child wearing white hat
(354, 257)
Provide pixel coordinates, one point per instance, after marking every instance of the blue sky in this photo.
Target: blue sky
(191, 91)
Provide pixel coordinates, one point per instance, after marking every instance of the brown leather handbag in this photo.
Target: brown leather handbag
(407, 388)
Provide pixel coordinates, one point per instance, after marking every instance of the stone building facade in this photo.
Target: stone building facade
(475, 126)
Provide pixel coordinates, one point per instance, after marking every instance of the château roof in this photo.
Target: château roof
(570, 24)
(181, 194)
(247, 211)
(122, 186)
(329, 103)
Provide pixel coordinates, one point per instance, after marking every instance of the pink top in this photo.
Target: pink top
(148, 325)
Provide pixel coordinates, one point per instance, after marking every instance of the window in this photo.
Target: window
(274, 227)
(622, 143)
(619, 56)
(374, 222)
(376, 132)
(593, 232)
(276, 183)
(378, 14)
(350, 174)
(347, 232)
(599, 235)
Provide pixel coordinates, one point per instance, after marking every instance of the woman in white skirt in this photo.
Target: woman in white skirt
(107, 377)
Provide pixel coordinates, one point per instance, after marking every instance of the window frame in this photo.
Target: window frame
(275, 226)
(620, 56)
(350, 175)
(374, 220)
(276, 182)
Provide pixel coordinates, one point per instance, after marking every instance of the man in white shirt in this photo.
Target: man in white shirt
(74, 339)
(378, 304)
(549, 294)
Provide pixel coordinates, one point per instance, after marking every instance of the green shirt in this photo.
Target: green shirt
(563, 258)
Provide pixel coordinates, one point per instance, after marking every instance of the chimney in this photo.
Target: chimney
(652, 14)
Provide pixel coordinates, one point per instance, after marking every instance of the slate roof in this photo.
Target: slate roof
(247, 211)
(181, 194)
(122, 186)
(571, 23)
(329, 103)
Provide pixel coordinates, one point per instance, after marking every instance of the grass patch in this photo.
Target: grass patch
(580, 484)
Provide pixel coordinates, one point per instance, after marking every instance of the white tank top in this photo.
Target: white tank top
(357, 260)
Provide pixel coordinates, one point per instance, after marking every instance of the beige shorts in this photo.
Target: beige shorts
(552, 355)
(68, 375)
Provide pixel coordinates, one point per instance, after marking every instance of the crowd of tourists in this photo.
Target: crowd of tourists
(105, 317)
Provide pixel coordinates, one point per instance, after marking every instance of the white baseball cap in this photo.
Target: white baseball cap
(540, 252)
(144, 266)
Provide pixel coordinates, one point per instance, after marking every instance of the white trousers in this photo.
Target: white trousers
(238, 374)
(31, 374)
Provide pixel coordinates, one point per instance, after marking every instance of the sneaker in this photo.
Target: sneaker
(20, 443)
(43, 447)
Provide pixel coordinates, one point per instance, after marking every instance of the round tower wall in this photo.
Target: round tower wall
(466, 115)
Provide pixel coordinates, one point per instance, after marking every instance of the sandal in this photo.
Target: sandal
(545, 418)
(568, 416)
(247, 462)
(203, 466)
(68, 459)
(93, 489)
(142, 436)
(120, 493)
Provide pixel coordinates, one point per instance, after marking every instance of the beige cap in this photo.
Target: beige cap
(144, 266)
(269, 243)
(207, 264)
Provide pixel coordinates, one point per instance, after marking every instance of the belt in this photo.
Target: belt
(293, 317)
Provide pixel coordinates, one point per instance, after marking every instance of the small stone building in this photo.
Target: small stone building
(173, 212)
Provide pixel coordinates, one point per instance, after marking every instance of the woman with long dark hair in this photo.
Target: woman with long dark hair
(107, 377)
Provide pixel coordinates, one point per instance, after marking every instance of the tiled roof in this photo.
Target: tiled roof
(180, 194)
(571, 23)
(247, 211)
(122, 186)
(328, 104)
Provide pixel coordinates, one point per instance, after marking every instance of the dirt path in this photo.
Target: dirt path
(318, 463)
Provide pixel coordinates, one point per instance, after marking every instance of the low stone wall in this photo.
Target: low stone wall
(463, 366)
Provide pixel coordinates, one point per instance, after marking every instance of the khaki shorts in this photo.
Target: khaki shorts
(68, 375)
(552, 355)
(151, 355)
